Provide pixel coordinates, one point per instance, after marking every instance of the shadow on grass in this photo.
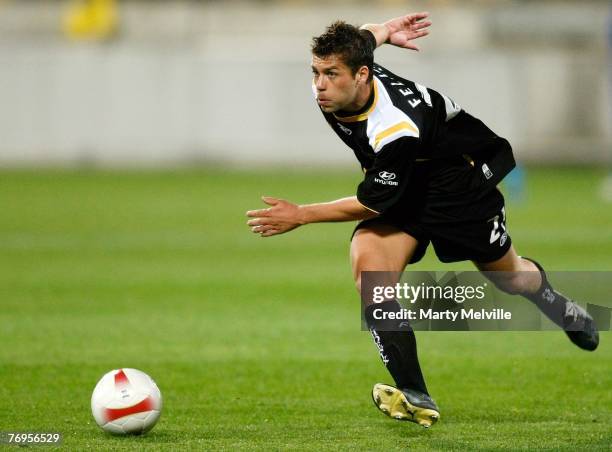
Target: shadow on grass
(149, 437)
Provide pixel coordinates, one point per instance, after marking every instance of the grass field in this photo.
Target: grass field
(256, 343)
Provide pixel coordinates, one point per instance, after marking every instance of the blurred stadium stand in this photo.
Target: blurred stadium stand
(91, 19)
(148, 83)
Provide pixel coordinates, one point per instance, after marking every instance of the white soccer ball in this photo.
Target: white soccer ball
(126, 401)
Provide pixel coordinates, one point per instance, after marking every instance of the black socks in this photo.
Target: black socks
(550, 302)
(396, 343)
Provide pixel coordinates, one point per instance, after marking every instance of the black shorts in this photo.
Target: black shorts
(446, 205)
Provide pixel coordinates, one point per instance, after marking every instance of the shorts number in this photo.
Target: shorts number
(499, 227)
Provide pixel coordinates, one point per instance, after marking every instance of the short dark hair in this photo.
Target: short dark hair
(353, 45)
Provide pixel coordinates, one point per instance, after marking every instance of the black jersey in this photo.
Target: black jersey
(405, 122)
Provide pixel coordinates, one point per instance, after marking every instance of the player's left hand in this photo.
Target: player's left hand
(283, 216)
(404, 29)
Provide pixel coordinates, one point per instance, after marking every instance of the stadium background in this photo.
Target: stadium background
(135, 134)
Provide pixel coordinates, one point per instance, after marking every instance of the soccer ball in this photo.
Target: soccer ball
(126, 401)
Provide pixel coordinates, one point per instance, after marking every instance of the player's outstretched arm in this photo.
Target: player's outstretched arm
(283, 216)
(401, 31)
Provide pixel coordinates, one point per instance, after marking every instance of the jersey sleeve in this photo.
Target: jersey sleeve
(386, 180)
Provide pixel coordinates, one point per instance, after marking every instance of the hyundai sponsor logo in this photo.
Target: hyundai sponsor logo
(386, 178)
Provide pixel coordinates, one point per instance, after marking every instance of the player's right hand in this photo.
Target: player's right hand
(404, 29)
(283, 216)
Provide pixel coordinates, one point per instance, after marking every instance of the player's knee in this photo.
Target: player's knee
(358, 284)
(359, 267)
(364, 261)
(357, 264)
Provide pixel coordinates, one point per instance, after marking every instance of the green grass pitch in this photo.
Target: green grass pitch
(256, 343)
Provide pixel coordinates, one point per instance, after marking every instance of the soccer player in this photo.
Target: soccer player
(430, 176)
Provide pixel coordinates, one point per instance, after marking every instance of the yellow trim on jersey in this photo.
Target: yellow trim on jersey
(371, 210)
(393, 129)
(362, 116)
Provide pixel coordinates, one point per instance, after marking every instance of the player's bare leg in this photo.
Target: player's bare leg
(380, 248)
(526, 277)
(384, 248)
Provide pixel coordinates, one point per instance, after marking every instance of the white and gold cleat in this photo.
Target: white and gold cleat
(405, 405)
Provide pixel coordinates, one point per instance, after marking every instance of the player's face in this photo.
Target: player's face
(336, 85)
